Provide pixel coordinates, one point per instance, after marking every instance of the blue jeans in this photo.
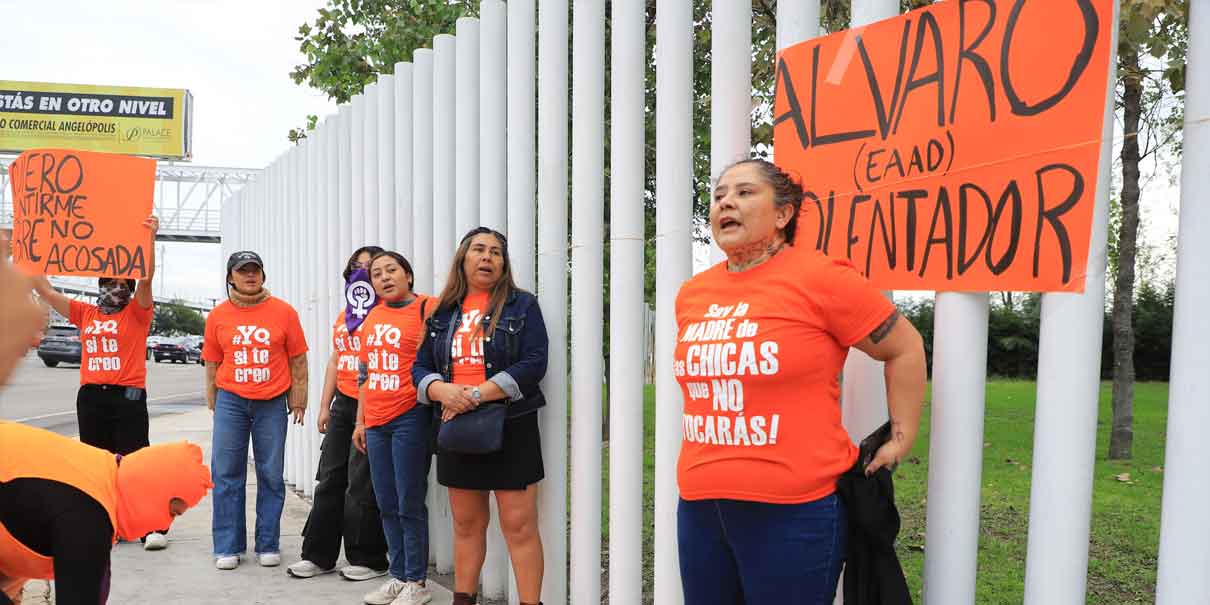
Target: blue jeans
(235, 419)
(399, 468)
(734, 552)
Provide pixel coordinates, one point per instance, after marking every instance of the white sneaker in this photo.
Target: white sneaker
(268, 559)
(155, 541)
(358, 573)
(227, 562)
(37, 592)
(307, 569)
(413, 594)
(385, 595)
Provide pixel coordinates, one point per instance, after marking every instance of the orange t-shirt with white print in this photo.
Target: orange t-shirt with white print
(466, 348)
(758, 357)
(253, 346)
(347, 347)
(113, 348)
(390, 337)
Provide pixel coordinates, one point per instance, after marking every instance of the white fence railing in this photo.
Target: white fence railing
(448, 142)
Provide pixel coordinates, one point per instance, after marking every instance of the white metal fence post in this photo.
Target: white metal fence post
(1065, 421)
(404, 207)
(627, 200)
(493, 115)
(466, 106)
(522, 125)
(552, 288)
(730, 104)
(587, 312)
(384, 132)
(1184, 556)
(674, 264)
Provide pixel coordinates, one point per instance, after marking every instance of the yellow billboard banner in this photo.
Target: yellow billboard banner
(154, 122)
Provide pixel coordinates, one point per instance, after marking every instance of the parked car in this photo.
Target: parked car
(60, 344)
(172, 349)
(152, 343)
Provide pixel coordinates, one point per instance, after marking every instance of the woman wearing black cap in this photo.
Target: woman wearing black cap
(256, 369)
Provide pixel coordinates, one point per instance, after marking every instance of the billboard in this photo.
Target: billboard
(154, 122)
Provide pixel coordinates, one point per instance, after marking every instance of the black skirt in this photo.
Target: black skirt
(516, 466)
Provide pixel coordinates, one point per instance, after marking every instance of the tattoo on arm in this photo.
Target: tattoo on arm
(884, 328)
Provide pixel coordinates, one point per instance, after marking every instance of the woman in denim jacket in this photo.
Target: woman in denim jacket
(486, 342)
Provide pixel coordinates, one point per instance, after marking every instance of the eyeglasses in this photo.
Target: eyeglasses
(481, 231)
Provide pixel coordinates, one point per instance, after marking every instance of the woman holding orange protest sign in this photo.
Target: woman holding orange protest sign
(393, 430)
(111, 406)
(256, 370)
(482, 360)
(343, 505)
(762, 338)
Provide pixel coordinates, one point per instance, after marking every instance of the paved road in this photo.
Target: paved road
(46, 397)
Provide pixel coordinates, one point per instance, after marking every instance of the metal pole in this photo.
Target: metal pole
(307, 264)
(493, 115)
(404, 208)
(444, 178)
(466, 213)
(797, 22)
(369, 165)
(1184, 556)
(956, 447)
(674, 264)
(588, 255)
(445, 175)
(385, 133)
(344, 180)
(552, 288)
(626, 308)
(440, 531)
(490, 201)
(1065, 421)
(730, 103)
(356, 170)
(863, 389)
(522, 124)
(422, 169)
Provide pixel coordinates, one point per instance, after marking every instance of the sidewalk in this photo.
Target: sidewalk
(184, 574)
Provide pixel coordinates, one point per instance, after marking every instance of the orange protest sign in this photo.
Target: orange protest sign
(81, 213)
(954, 147)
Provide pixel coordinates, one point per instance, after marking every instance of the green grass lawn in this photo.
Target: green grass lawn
(1125, 514)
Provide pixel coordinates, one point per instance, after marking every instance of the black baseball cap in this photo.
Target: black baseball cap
(244, 257)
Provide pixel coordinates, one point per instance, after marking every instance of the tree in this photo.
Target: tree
(1154, 28)
(352, 41)
(175, 319)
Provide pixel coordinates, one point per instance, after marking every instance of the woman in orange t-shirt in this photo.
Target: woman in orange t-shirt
(343, 506)
(761, 340)
(393, 430)
(256, 370)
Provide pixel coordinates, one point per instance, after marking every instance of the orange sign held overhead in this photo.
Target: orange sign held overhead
(81, 213)
(954, 147)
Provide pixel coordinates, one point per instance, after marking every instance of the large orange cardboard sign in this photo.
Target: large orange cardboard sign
(954, 147)
(81, 213)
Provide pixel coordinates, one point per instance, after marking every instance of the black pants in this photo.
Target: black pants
(110, 420)
(113, 418)
(343, 505)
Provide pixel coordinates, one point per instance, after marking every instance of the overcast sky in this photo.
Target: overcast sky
(234, 55)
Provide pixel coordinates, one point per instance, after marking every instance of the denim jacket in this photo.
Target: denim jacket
(514, 356)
